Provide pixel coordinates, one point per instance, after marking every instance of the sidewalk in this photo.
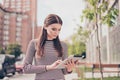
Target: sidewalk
(71, 76)
(98, 75)
(31, 77)
(67, 77)
(89, 75)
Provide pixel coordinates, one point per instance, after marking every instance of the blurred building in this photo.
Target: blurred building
(1, 25)
(18, 21)
(109, 39)
(37, 32)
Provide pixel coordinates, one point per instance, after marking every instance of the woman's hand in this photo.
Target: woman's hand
(53, 66)
(70, 65)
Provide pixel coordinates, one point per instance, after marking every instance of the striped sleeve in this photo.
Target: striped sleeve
(65, 55)
(28, 66)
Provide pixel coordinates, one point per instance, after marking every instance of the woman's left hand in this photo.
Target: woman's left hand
(70, 65)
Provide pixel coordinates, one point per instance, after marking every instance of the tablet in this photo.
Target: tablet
(62, 64)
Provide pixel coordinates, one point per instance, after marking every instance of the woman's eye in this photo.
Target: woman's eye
(53, 29)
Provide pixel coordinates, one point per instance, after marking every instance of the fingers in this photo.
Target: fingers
(53, 66)
(58, 61)
(76, 62)
(70, 63)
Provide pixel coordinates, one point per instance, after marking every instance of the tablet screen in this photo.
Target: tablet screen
(62, 64)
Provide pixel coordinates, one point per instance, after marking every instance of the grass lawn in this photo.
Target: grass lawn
(109, 78)
(87, 69)
(83, 69)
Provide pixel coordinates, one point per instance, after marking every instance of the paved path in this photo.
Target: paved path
(20, 77)
(71, 76)
(67, 77)
(31, 77)
(98, 75)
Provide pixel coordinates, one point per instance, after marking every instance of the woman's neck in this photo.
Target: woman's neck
(49, 40)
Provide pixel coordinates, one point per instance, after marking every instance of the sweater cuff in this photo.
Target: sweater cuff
(46, 68)
(70, 72)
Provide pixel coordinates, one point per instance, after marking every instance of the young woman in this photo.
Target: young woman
(48, 52)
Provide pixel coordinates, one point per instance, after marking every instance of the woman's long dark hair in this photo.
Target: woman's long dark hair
(50, 19)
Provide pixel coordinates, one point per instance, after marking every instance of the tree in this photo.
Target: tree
(99, 13)
(77, 44)
(14, 49)
(2, 51)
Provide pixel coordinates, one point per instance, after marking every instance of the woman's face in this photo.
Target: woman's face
(53, 31)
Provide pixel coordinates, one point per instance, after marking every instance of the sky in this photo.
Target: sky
(0, 1)
(69, 10)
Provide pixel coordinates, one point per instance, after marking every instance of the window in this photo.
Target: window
(6, 22)
(18, 0)
(18, 6)
(6, 27)
(18, 29)
(28, 8)
(19, 18)
(18, 3)
(19, 24)
(13, 14)
(13, 0)
(5, 38)
(18, 9)
(7, 0)
(6, 16)
(25, 16)
(6, 33)
(7, 4)
(18, 39)
(28, 2)
(5, 43)
(18, 34)
(13, 6)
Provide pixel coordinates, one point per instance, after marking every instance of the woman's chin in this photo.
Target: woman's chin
(54, 37)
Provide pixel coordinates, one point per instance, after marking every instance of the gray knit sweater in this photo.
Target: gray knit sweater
(50, 56)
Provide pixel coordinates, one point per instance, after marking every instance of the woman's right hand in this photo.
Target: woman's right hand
(53, 66)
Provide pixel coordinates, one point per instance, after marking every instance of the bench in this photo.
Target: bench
(106, 68)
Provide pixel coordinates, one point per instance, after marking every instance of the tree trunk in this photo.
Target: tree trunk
(99, 52)
(99, 45)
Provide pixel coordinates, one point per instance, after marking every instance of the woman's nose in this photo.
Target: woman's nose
(57, 32)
